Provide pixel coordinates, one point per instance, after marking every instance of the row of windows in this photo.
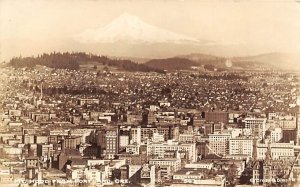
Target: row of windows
(165, 162)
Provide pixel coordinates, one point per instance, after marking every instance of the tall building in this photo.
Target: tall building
(147, 132)
(44, 150)
(241, 146)
(166, 131)
(158, 149)
(71, 142)
(112, 143)
(276, 135)
(136, 136)
(257, 126)
(219, 143)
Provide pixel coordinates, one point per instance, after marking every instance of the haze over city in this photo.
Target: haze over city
(227, 28)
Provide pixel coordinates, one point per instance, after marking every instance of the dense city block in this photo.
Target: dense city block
(64, 127)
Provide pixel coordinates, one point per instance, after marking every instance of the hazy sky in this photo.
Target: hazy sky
(29, 27)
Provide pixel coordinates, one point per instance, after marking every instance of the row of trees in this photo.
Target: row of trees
(72, 61)
(53, 60)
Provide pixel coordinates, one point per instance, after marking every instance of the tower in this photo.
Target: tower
(268, 153)
(267, 166)
(112, 142)
(41, 92)
(254, 153)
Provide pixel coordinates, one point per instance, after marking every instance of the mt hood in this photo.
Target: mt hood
(131, 29)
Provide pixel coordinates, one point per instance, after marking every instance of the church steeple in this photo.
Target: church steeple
(268, 158)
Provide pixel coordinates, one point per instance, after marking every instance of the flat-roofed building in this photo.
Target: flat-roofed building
(219, 143)
(257, 125)
(159, 149)
(278, 150)
(241, 146)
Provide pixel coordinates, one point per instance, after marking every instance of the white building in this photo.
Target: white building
(74, 173)
(257, 125)
(133, 149)
(287, 122)
(219, 143)
(83, 133)
(272, 115)
(158, 137)
(124, 140)
(93, 175)
(160, 148)
(276, 135)
(83, 101)
(196, 178)
(278, 150)
(173, 163)
(200, 165)
(12, 150)
(186, 137)
(241, 146)
(136, 135)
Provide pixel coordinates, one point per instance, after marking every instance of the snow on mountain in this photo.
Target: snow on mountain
(131, 29)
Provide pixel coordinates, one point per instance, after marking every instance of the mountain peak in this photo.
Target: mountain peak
(131, 29)
(128, 17)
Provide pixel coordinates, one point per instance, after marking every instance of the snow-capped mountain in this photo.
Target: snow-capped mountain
(131, 29)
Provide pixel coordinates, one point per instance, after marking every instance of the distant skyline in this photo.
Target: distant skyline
(31, 27)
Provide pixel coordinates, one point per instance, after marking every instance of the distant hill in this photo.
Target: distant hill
(74, 60)
(204, 60)
(134, 59)
(171, 64)
(285, 61)
(185, 62)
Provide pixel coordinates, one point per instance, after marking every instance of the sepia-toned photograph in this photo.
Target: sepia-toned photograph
(149, 93)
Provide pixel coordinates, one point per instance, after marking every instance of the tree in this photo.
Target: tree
(231, 175)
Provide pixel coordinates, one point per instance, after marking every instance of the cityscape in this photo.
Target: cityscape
(197, 118)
